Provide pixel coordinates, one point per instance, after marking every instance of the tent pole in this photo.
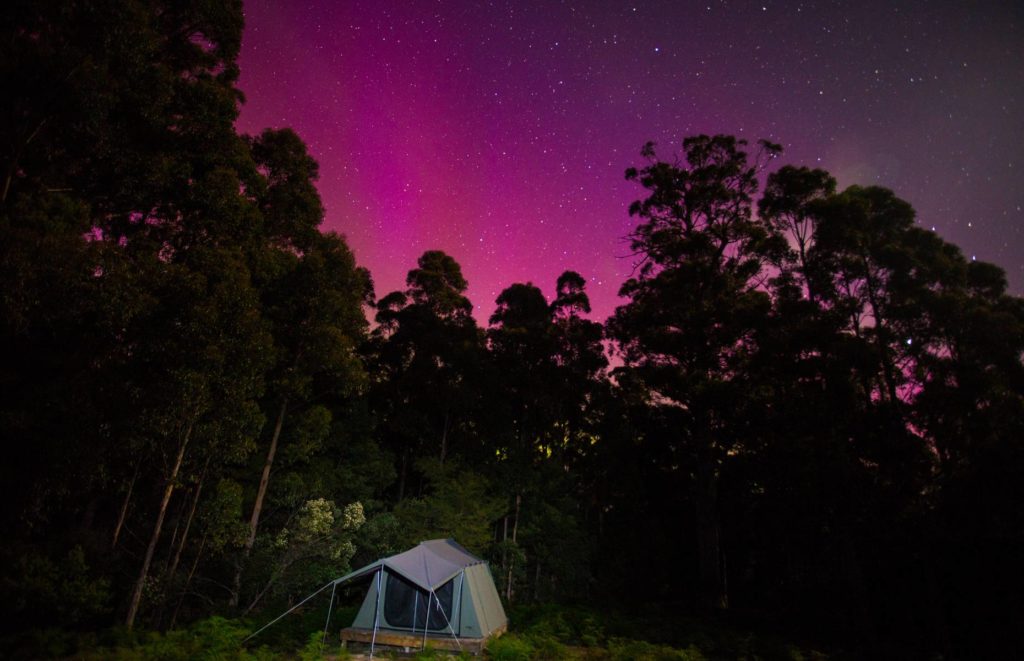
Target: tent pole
(441, 608)
(327, 624)
(376, 616)
(426, 622)
(462, 577)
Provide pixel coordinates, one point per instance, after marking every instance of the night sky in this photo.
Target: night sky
(499, 131)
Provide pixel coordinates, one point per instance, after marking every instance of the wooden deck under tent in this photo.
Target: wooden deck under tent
(410, 642)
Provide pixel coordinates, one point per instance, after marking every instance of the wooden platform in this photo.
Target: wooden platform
(410, 642)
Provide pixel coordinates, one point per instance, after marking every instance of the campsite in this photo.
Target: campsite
(511, 330)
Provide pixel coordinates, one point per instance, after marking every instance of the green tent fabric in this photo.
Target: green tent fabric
(436, 588)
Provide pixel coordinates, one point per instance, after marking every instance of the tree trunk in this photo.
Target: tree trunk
(515, 520)
(124, 508)
(882, 334)
(178, 514)
(173, 567)
(508, 581)
(504, 538)
(140, 582)
(275, 576)
(512, 562)
(402, 474)
(188, 582)
(178, 543)
(257, 507)
(709, 551)
(444, 436)
(259, 597)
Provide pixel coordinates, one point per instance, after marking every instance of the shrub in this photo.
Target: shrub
(620, 649)
(547, 648)
(509, 648)
(66, 589)
(212, 639)
(313, 651)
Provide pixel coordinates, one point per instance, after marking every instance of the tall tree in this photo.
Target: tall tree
(696, 305)
(203, 382)
(550, 361)
(428, 350)
(314, 304)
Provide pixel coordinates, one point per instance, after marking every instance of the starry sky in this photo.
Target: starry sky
(499, 131)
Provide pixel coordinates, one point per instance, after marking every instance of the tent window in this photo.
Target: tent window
(403, 601)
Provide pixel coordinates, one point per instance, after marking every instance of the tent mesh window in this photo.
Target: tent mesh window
(405, 605)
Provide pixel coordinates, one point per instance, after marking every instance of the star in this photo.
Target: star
(433, 122)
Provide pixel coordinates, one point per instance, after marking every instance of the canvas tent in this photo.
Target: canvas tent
(435, 592)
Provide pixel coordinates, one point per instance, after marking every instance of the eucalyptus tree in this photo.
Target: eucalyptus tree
(427, 349)
(971, 409)
(314, 303)
(522, 348)
(697, 304)
(581, 357)
(885, 389)
(197, 387)
(551, 363)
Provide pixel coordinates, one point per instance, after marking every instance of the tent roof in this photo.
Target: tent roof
(429, 565)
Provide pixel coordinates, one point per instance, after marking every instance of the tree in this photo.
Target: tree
(873, 384)
(550, 361)
(427, 350)
(791, 200)
(314, 305)
(696, 306)
(200, 384)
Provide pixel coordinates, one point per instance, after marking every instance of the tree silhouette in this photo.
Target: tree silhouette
(696, 305)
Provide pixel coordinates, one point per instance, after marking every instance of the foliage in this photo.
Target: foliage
(632, 650)
(509, 648)
(213, 638)
(314, 649)
(67, 590)
(316, 545)
(459, 505)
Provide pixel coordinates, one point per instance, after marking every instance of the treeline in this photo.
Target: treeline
(812, 416)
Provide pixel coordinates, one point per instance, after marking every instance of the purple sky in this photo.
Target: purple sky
(499, 131)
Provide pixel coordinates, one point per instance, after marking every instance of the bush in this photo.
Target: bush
(313, 651)
(509, 648)
(212, 639)
(38, 588)
(620, 649)
(547, 648)
(566, 625)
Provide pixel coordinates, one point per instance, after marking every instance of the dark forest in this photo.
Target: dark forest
(806, 419)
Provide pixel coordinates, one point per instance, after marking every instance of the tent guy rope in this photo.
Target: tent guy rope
(276, 619)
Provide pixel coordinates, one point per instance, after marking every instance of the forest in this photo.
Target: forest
(806, 417)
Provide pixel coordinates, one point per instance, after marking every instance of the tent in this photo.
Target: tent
(435, 592)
